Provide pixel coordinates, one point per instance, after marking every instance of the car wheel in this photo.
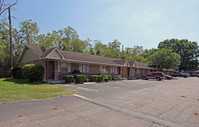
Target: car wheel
(144, 78)
(158, 78)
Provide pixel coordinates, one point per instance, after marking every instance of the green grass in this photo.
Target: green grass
(17, 90)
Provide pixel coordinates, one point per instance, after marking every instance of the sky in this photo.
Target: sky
(131, 22)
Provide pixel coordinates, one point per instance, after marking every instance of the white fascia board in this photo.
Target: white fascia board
(53, 51)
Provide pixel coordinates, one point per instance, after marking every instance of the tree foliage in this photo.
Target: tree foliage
(68, 39)
(188, 51)
(165, 58)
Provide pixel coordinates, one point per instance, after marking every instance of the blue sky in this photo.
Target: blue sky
(132, 22)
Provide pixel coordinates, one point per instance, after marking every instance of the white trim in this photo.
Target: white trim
(133, 65)
(58, 66)
(62, 57)
(69, 67)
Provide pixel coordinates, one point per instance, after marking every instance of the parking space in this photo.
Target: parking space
(175, 100)
(140, 103)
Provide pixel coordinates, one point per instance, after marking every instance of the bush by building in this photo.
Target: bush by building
(100, 78)
(115, 79)
(80, 78)
(33, 72)
(69, 78)
(16, 72)
(108, 78)
(94, 78)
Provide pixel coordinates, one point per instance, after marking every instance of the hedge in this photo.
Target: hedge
(108, 78)
(86, 80)
(69, 78)
(115, 79)
(80, 78)
(94, 78)
(100, 78)
(33, 72)
(16, 72)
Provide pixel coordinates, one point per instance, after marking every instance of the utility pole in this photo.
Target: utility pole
(10, 27)
(122, 52)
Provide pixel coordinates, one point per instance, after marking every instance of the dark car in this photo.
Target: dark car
(154, 75)
(179, 75)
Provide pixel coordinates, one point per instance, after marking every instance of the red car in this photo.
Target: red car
(168, 77)
(154, 75)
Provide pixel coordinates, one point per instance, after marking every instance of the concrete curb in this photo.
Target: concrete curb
(131, 113)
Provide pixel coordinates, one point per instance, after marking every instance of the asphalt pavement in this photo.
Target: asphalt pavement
(130, 103)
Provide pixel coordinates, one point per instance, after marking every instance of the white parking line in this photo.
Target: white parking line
(87, 89)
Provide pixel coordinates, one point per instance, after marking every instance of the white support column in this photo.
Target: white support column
(80, 67)
(87, 68)
(69, 67)
(58, 66)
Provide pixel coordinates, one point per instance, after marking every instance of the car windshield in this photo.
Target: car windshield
(160, 73)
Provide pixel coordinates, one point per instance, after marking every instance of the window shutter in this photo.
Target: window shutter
(80, 68)
(69, 67)
(58, 66)
(87, 68)
(111, 69)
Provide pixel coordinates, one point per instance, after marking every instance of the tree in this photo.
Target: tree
(113, 49)
(4, 47)
(28, 32)
(70, 38)
(100, 48)
(188, 51)
(6, 5)
(147, 54)
(165, 58)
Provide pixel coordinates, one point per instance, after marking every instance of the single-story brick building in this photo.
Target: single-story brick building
(58, 63)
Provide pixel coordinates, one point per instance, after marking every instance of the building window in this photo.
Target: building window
(64, 67)
(114, 70)
(102, 67)
(138, 71)
(84, 68)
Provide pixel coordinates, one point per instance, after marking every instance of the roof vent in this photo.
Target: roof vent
(43, 49)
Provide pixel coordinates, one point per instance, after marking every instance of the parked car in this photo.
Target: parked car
(198, 76)
(168, 76)
(179, 75)
(154, 75)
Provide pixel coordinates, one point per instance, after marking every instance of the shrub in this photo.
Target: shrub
(80, 78)
(94, 78)
(115, 79)
(86, 80)
(19, 74)
(33, 72)
(16, 72)
(69, 78)
(100, 78)
(108, 78)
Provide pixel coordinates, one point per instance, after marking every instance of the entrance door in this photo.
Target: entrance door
(128, 72)
(132, 72)
(51, 70)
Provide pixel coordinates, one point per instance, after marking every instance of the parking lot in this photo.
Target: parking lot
(137, 103)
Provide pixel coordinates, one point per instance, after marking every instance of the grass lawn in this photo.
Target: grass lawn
(15, 90)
